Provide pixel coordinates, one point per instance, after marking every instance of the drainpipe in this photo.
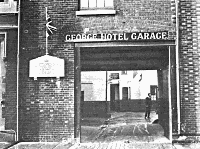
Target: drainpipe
(106, 92)
(18, 49)
(177, 66)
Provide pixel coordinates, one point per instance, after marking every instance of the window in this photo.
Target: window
(96, 7)
(124, 72)
(114, 76)
(96, 4)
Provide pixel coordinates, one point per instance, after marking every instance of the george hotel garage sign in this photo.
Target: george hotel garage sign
(136, 36)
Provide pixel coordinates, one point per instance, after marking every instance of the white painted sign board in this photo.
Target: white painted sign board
(46, 66)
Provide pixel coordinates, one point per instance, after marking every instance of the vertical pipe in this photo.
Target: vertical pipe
(177, 67)
(77, 90)
(106, 92)
(5, 45)
(18, 51)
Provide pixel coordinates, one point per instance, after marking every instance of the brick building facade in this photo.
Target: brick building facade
(39, 110)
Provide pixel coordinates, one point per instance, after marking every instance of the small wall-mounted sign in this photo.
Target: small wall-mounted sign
(46, 66)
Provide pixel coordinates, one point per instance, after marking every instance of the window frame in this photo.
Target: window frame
(96, 8)
(83, 11)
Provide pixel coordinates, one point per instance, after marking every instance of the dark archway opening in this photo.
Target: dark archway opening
(106, 59)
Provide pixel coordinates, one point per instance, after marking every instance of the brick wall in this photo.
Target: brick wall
(46, 111)
(133, 16)
(94, 109)
(133, 105)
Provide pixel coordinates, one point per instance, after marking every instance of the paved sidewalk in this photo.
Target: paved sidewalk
(111, 145)
(120, 145)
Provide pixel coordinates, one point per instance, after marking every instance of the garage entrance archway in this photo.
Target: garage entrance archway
(126, 56)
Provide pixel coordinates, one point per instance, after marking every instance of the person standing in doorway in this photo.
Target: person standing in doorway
(148, 106)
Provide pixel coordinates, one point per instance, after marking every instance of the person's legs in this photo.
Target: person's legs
(146, 113)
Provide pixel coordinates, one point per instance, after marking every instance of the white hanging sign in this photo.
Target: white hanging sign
(46, 66)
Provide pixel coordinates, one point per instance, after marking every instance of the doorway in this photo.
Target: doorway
(114, 96)
(122, 58)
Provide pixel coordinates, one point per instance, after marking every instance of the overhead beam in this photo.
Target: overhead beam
(122, 65)
(125, 44)
(123, 55)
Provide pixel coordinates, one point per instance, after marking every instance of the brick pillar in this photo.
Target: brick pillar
(197, 47)
(189, 66)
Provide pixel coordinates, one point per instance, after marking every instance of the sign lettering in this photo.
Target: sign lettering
(136, 36)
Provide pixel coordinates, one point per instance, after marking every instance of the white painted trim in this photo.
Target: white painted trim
(8, 27)
(9, 12)
(95, 12)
